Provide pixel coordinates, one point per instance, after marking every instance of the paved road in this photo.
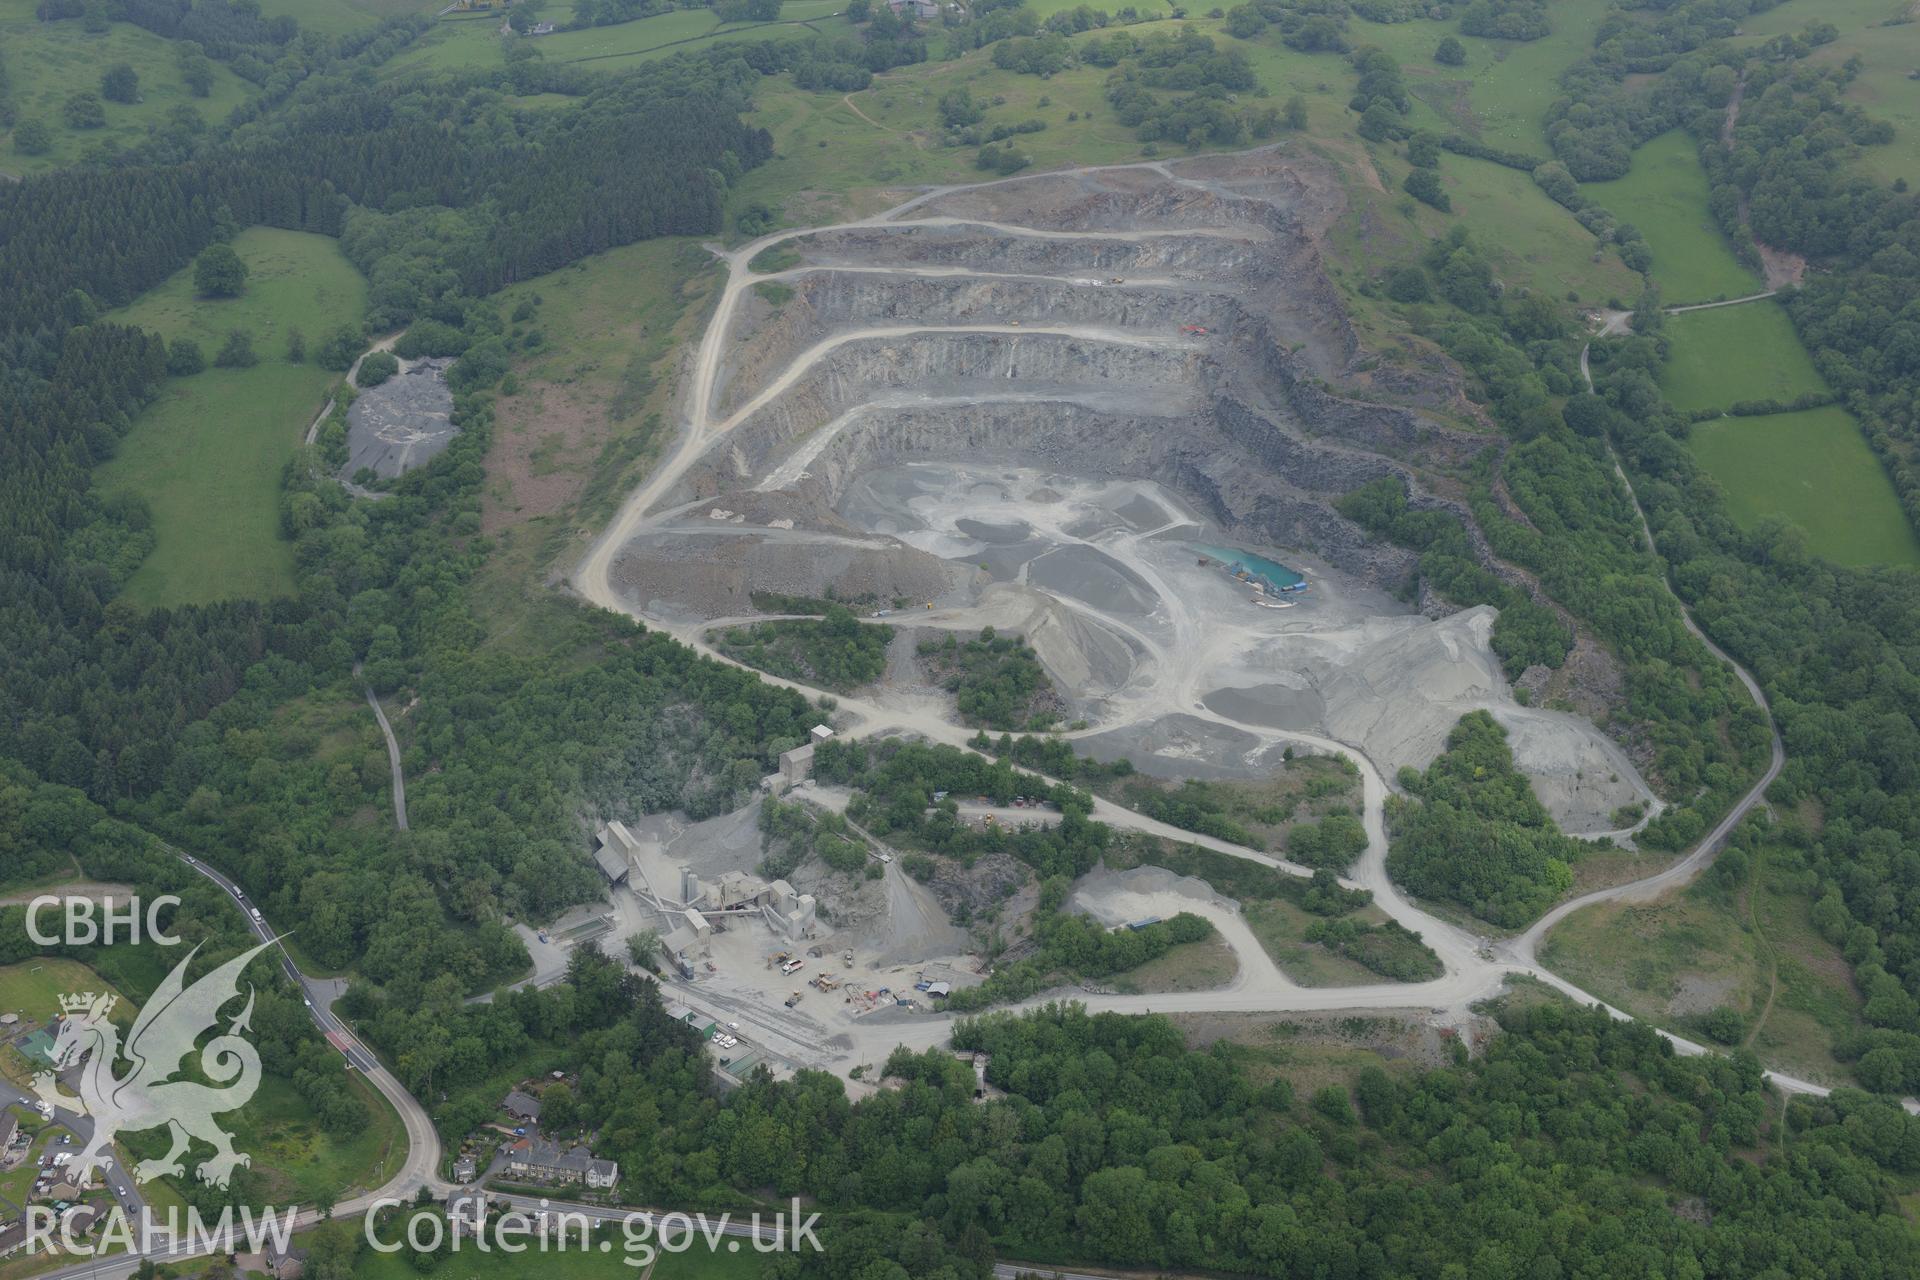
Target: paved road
(112, 1176)
(1471, 969)
(393, 761)
(422, 1164)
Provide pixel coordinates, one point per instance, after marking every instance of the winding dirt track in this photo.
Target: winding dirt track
(1475, 967)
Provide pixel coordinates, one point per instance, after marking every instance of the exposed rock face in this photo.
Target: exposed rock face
(1064, 407)
(1128, 324)
(403, 423)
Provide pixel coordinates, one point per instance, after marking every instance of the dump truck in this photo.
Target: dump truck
(793, 1000)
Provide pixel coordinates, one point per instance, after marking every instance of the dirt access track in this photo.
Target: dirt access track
(1028, 402)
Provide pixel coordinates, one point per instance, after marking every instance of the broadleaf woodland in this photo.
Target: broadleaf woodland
(1572, 1145)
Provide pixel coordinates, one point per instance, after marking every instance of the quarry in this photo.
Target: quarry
(1076, 407)
(401, 423)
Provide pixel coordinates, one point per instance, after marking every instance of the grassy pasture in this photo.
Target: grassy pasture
(1537, 238)
(32, 988)
(1665, 196)
(1815, 469)
(1751, 948)
(1882, 34)
(300, 1161)
(469, 42)
(1507, 86)
(207, 456)
(49, 61)
(1750, 352)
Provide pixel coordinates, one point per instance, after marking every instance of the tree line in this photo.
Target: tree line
(1574, 1145)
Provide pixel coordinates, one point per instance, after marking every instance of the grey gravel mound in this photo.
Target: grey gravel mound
(403, 423)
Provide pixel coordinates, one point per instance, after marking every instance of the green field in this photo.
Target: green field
(1751, 948)
(1886, 52)
(1536, 237)
(1535, 241)
(1815, 469)
(1665, 196)
(33, 988)
(207, 456)
(1505, 88)
(48, 61)
(468, 42)
(1719, 357)
(299, 1161)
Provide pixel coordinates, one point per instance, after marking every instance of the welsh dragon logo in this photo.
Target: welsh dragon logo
(144, 1097)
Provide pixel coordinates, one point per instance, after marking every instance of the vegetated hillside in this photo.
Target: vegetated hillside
(1215, 1158)
(54, 112)
(222, 726)
(997, 681)
(1474, 833)
(1792, 176)
(1832, 645)
(835, 652)
(314, 1125)
(117, 703)
(206, 457)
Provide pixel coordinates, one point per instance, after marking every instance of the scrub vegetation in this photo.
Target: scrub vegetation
(452, 163)
(837, 652)
(1472, 831)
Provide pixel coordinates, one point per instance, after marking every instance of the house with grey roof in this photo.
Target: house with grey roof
(538, 1159)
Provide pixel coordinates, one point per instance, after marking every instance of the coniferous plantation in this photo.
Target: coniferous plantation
(1550, 1141)
(150, 710)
